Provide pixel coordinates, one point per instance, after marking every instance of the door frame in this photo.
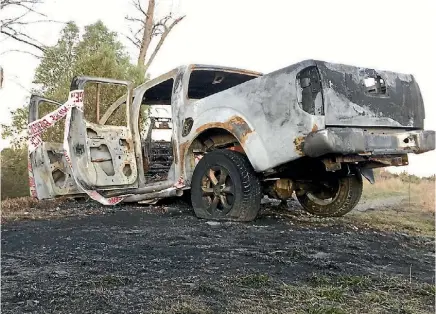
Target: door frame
(42, 184)
(80, 144)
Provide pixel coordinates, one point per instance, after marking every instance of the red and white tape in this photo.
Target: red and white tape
(36, 128)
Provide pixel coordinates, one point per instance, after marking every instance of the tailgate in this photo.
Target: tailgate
(363, 97)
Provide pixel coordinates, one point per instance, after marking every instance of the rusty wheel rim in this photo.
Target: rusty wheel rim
(327, 194)
(218, 191)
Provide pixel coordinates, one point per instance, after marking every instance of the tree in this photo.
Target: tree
(146, 27)
(57, 66)
(98, 53)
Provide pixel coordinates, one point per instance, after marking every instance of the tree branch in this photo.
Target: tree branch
(134, 41)
(21, 4)
(161, 41)
(21, 51)
(137, 5)
(22, 40)
(22, 13)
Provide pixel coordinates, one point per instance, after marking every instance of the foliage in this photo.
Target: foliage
(14, 173)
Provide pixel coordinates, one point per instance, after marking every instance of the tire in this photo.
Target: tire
(346, 198)
(241, 188)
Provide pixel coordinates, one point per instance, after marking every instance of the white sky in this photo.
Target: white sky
(263, 36)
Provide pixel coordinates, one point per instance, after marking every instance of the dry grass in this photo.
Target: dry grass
(321, 294)
(18, 204)
(416, 218)
(415, 214)
(25, 208)
(422, 193)
(394, 219)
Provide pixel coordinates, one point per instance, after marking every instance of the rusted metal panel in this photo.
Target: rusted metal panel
(335, 163)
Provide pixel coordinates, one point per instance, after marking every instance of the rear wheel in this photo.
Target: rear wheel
(333, 197)
(225, 187)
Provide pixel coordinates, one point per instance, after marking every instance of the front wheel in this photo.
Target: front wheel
(334, 197)
(225, 187)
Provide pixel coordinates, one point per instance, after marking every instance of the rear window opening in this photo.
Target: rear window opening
(375, 85)
(204, 83)
(309, 91)
(159, 93)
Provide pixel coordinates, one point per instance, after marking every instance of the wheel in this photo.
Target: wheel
(334, 197)
(224, 186)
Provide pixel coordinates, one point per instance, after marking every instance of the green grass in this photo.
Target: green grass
(253, 280)
(361, 294)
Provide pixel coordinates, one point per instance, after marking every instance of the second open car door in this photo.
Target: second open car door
(50, 174)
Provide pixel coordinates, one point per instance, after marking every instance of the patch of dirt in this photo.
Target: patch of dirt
(381, 203)
(163, 259)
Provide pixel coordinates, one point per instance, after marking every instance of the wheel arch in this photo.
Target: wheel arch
(219, 136)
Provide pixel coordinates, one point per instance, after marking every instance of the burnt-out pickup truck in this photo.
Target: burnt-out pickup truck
(226, 137)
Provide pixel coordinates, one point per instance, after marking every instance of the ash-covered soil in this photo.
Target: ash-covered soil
(142, 259)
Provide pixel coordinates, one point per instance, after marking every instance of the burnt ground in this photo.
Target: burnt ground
(144, 259)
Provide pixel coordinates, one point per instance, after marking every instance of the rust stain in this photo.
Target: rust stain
(128, 144)
(315, 128)
(173, 146)
(182, 150)
(298, 142)
(236, 120)
(100, 159)
(237, 148)
(244, 137)
(235, 125)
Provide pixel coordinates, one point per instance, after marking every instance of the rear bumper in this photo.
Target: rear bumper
(358, 141)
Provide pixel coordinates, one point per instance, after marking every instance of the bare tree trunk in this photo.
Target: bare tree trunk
(161, 41)
(148, 29)
(148, 32)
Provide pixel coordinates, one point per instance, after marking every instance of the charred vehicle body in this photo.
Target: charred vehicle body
(226, 137)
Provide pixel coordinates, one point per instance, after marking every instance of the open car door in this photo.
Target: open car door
(49, 173)
(102, 156)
